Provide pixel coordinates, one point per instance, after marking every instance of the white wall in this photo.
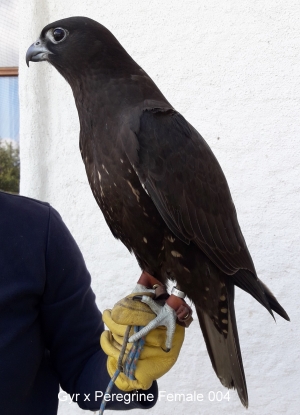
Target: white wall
(9, 45)
(231, 67)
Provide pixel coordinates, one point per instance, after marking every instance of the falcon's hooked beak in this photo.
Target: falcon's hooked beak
(37, 52)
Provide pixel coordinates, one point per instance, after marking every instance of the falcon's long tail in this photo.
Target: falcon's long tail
(224, 349)
(245, 280)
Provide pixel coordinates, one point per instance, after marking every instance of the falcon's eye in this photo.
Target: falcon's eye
(59, 34)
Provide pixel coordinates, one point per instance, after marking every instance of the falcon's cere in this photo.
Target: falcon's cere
(160, 188)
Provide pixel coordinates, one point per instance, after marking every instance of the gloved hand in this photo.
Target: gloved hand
(153, 362)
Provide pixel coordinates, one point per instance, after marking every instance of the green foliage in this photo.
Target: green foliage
(9, 167)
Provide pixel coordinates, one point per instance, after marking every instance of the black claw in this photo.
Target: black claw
(137, 298)
(166, 350)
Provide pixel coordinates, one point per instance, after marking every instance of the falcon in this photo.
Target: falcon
(160, 188)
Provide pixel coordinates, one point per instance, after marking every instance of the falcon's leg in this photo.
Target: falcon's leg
(175, 308)
(147, 283)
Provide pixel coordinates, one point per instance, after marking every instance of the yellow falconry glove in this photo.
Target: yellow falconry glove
(153, 362)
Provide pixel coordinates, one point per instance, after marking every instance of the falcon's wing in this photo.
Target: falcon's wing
(187, 185)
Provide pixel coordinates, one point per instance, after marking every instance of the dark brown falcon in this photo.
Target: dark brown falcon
(160, 188)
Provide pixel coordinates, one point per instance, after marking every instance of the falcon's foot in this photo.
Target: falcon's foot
(166, 316)
(139, 288)
(169, 309)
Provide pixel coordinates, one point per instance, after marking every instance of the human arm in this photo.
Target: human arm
(72, 323)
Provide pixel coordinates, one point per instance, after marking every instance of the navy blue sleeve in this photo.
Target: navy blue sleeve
(72, 325)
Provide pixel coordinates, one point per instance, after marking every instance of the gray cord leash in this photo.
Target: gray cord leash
(129, 366)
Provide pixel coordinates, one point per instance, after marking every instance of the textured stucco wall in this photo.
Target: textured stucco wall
(231, 68)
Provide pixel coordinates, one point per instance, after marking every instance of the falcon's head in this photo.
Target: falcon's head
(71, 45)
